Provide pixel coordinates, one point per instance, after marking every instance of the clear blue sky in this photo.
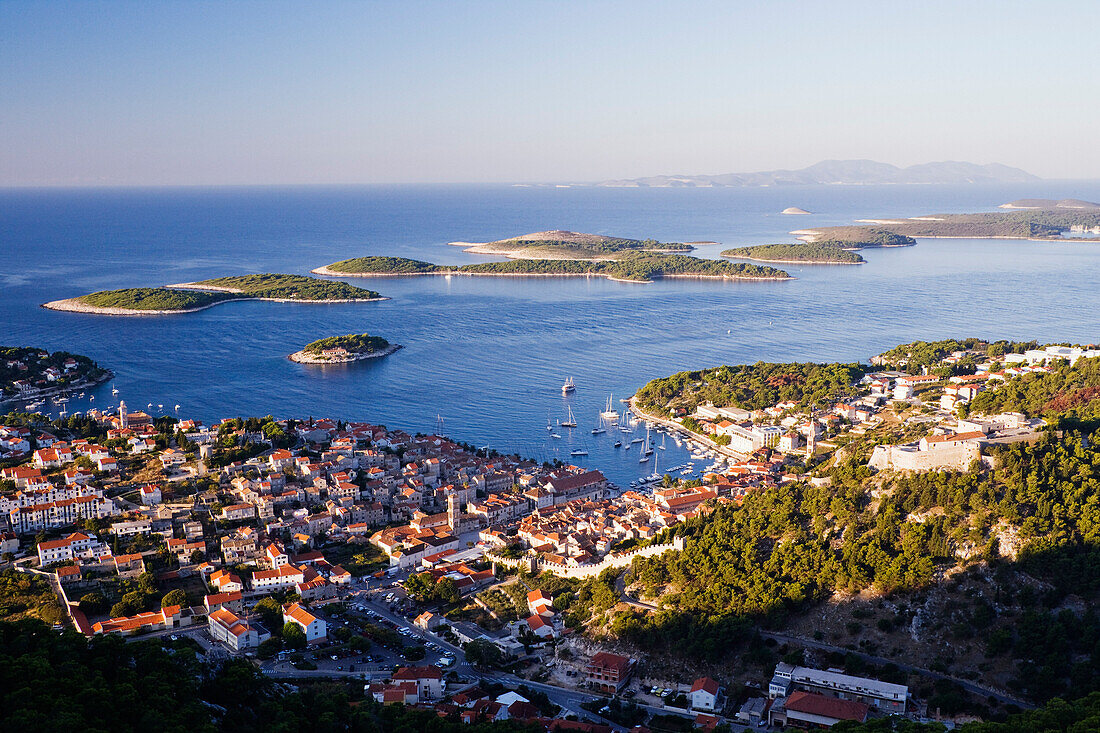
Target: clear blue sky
(330, 92)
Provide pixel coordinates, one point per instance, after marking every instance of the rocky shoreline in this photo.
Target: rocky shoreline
(51, 391)
(301, 357)
(798, 262)
(75, 305)
(466, 273)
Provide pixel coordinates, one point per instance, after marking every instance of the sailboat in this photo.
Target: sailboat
(569, 386)
(647, 449)
(572, 421)
(549, 427)
(609, 412)
(599, 429)
(662, 446)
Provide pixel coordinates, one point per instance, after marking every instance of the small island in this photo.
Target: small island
(634, 267)
(794, 211)
(196, 296)
(559, 244)
(344, 349)
(805, 253)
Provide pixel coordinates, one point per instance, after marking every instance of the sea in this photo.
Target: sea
(484, 359)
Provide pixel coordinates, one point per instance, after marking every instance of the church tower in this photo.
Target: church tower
(123, 418)
(811, 439)
(454, 512)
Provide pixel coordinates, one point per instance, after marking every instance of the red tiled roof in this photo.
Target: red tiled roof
(828, 707)
(705, 683)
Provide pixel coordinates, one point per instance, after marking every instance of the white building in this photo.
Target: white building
(704, 694)
(234, 631)
(313, 627)
(884, 696)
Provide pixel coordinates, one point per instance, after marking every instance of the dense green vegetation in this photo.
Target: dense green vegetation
(35, 367)
(860, 237)
(1069, 397)
(802, 252)
(587, 245)
(752, 386)
(268, 285)
(152, 299)
(51, 682)
(291, 287)
(361, 343)
(916, 356)
(28, 596)
(383, 266)
(638, 266)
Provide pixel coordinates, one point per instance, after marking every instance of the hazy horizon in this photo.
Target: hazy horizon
(340, 93)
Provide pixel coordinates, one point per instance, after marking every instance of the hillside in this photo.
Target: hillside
(989, 573)
(846, 172)
(1024, 223)
(566, 245)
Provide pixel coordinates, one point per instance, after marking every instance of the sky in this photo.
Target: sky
(207, 93)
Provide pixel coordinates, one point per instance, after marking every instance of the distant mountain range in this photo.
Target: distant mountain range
(844, 172)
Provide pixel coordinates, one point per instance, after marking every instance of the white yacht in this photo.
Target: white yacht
(572, 421)
(609, 413)
(569, 386)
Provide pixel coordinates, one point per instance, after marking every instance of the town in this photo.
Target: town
(418, 565)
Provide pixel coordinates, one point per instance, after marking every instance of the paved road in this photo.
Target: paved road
(967, 685)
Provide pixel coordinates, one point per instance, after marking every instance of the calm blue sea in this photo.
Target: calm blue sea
(489, 356)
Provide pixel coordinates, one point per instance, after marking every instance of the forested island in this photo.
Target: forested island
(560, 244)
(195, 296)
(344, 349)
(809, 253)
(629, 267)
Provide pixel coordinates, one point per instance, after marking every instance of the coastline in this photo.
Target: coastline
(301, 357)
(793, 262)
(810, 236)
(702, 440)
(74, 305)
(108, 375)
(466, 273)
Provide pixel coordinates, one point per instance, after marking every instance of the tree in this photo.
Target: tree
(147, 583)
(484, 654)
(176, 597)
(122, 608)
(197, 556)
(293, 636)
(93, 602)
(135, 600)
(269, 648)
(446, 591)
(420, 586)
(271, 613)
